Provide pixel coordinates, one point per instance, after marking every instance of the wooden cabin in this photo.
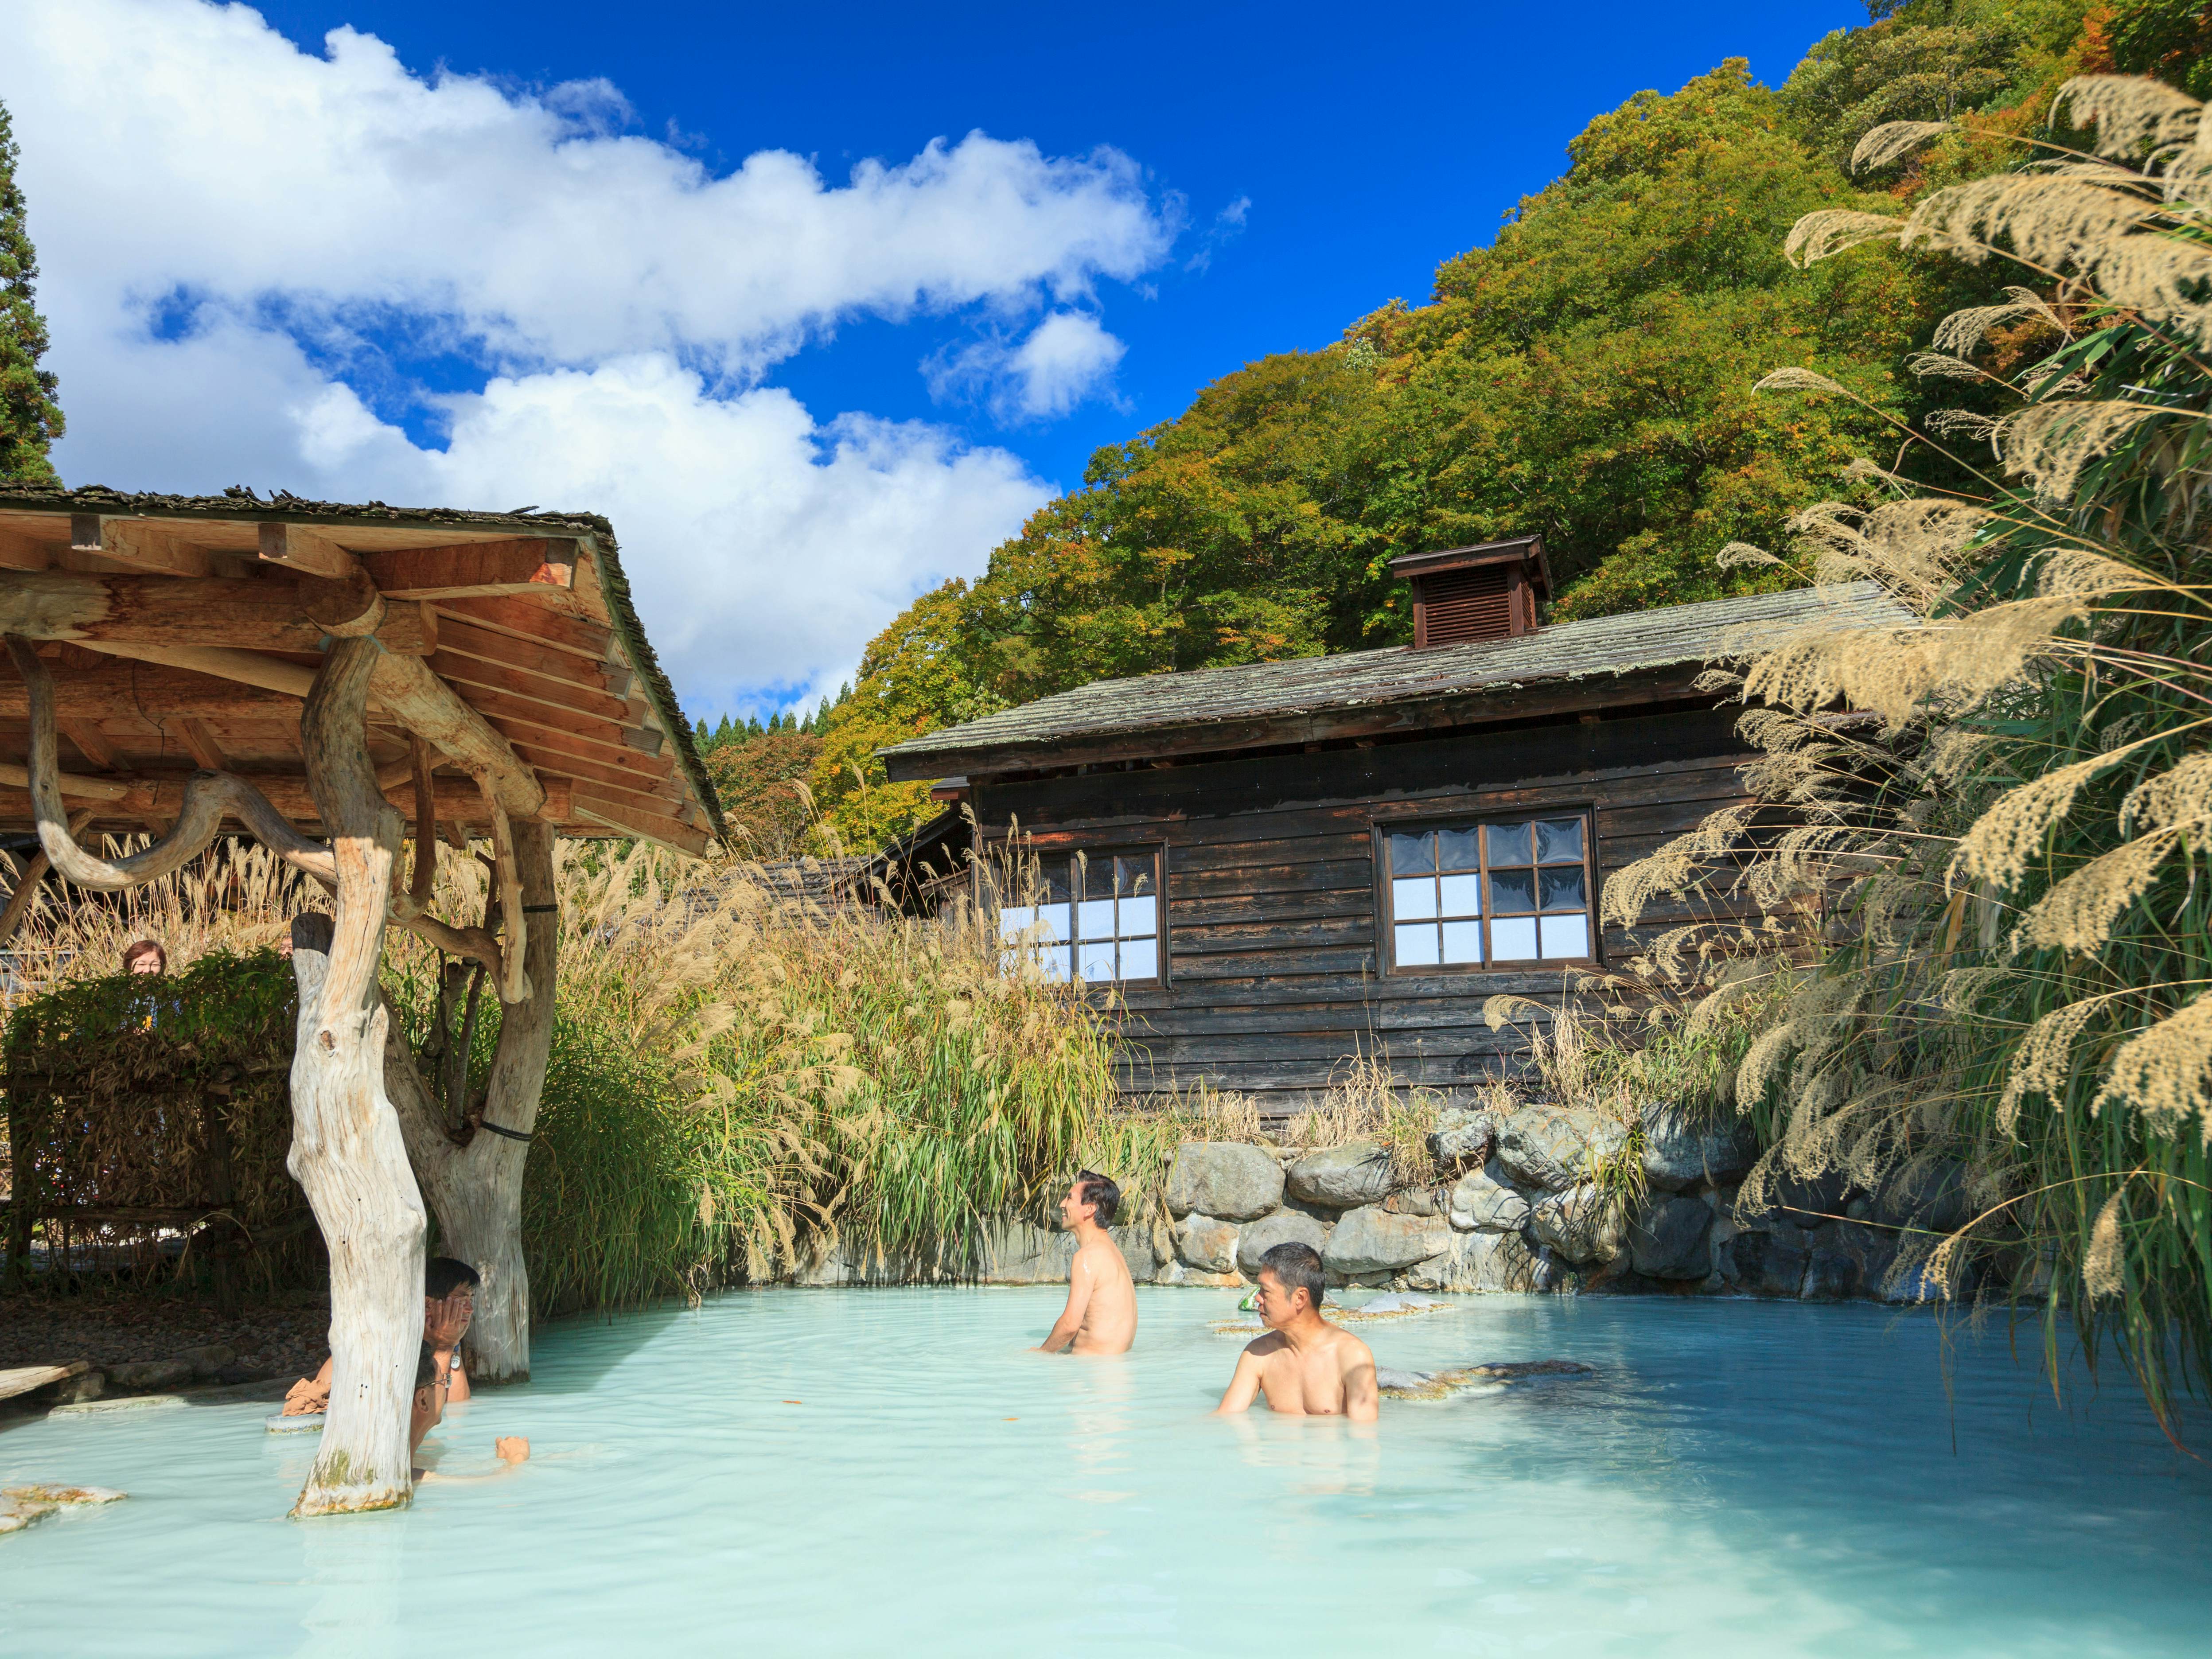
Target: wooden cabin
(1283, 866)
(183, 633)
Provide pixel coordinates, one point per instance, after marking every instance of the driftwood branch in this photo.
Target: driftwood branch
(209, 798)
(27, 884)
(426, 824)
(513, 982)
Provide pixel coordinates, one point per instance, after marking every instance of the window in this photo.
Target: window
(1099, 918)
(1486, 895)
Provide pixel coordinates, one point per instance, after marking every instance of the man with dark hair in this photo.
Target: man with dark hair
(1306, 1366)
(449, 1304)
(1101, 1315)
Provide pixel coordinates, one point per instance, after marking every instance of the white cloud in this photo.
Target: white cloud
(302, 213)
(1067, 358)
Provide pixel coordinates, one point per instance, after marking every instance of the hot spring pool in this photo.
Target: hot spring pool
(830, 1472)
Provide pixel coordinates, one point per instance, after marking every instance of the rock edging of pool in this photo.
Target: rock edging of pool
(1519, 1211)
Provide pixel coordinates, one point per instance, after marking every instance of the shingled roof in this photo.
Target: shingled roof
(37, 532)
(1640, 655)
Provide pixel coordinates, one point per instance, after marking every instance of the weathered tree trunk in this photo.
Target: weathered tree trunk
(347, 1149)
(477, 1190)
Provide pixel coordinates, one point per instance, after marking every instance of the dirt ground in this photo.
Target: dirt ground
(267, 1341)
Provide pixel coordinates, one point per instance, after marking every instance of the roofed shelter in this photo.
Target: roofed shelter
(319, 676)
(1283, 866)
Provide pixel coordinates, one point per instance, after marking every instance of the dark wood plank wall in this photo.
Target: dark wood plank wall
(1273, 979)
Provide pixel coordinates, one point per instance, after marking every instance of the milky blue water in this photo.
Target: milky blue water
(805, 1472)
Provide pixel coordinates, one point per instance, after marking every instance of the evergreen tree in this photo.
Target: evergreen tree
(30, 419)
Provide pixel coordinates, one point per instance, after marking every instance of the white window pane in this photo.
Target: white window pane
(1513, 938)
(1462, 896)
(1456, 849)
(1566, 936)
(1462, 941)
(1509, 843)
(1097, 960)
(1140, 917)
(1412, 898)
(1054, 960)
(1015, 920)
(1094, 919)
(1141, 958)
(1416, 946)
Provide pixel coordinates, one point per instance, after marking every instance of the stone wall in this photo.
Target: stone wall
(1519, 1213)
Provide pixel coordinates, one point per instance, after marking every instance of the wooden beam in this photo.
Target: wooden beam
(245, 667)
(149, 692)
(241, 616)
(538, 687)
(527, 620)
(672, 833)
(309, 552)
(432, 710)
(146, 797)
(138, 545)
(470, 639)
(78, 788)
(19, 552)
(91, 742)
(202, 744)
(521, 712)
(475, 569)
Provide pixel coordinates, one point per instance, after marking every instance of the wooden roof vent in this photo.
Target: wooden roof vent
(1485, 592)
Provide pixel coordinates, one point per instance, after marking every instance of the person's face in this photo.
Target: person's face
(1278, 1307)
(1074, 1207)
(422, 1417)
(145, 962)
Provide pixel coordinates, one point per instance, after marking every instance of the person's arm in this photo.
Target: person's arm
(1361, 1397)
(1071, 1318)
(1244, 1387)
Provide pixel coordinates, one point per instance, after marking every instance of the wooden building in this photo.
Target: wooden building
(1284, 865)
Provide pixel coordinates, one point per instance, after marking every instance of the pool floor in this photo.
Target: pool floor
(805, 1472)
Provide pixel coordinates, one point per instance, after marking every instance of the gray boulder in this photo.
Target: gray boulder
(1771, 1261)
(1682, 1148)
(1929, 1193)
(1372, 1240)
(1553, 1146)
(1479, 1261)
(1343, 1177)
(146, 1376)
(1206, 1244)
(1847, 1261)
(1670, 1238)
(1284, 1227)
(1007, 1252)
(1463, 1134)
(207, 1361)
(1224, 1178)
(1135, 1244)
(1416, 1200)
(1482, 1203)
(1581, 1224)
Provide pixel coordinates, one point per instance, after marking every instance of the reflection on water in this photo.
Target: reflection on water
(801, 1473)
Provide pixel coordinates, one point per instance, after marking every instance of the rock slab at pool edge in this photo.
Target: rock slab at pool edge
(1226, 1179)
(1481, 1202)
(1207, 1242)
(1553, 1146)
(1581, 1224)
(1343, 1177)
(1284, 1227)
(1682, 1148)
(1374, 1240)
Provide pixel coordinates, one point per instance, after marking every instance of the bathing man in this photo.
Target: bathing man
(1101, 1316)
(1306, 1366)
(449, 1291)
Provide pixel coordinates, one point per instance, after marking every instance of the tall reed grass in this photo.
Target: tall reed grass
(1984, 951)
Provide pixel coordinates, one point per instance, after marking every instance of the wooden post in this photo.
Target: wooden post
(477, 1190)
(347, 1149)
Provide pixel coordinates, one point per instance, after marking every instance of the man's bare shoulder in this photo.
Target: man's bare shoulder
(1351, 1351)
(1105, 1256)
(1266, 1346)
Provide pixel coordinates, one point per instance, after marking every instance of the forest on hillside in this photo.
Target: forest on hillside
(1588, 375)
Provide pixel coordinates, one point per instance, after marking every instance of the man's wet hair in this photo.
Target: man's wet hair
(1091, 1188)
(426, 1368)
(442, 1276)
(1296, 1268)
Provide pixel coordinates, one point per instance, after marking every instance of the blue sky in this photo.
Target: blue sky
(781, 382)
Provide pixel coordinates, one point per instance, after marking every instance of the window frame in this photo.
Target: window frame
(1386, 929)
(1157, 852)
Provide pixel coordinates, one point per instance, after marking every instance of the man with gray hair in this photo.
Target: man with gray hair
(1305, 1366)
